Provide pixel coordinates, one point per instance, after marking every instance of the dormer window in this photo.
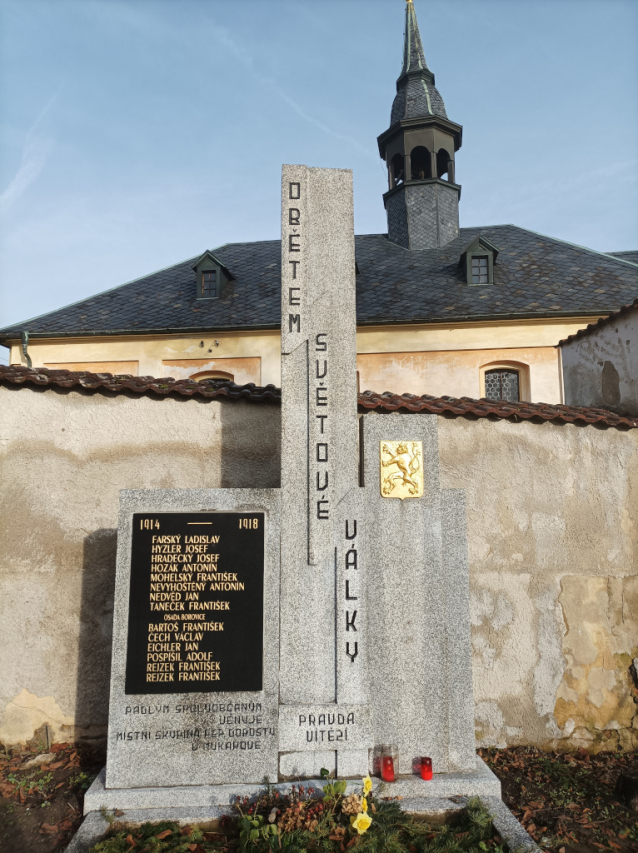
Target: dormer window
(480, 270)
(211, 276)
(209, 284)
(478, 261)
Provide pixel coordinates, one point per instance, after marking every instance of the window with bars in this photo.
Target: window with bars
(209, 283)
(480, 270)
(502, 384)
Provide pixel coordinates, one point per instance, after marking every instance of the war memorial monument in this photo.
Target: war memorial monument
(269, 633)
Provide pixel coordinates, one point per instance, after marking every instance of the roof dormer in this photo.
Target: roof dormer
(211, 275)
(478, 261)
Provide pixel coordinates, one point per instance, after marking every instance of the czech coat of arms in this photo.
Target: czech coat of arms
(401, 469)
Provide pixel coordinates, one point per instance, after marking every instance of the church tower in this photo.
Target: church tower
(422, 201)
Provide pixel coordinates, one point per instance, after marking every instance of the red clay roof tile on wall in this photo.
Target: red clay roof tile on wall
(42, 376)
(602, 322)
(368, 400)
(467, 407)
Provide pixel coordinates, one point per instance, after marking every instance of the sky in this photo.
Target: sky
(138, 133)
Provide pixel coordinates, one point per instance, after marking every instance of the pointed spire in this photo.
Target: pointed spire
(417, 96)
(413, 56)
(418, 149)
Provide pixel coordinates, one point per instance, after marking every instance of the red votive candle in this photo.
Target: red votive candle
(387, 768)
(426, 768)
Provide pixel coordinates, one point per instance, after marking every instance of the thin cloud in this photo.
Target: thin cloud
(35, 155)
(225, 40)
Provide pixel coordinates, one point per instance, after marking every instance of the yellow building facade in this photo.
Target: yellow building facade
(437, 359)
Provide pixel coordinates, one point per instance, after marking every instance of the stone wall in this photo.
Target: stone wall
(600, 368)
(551, 525)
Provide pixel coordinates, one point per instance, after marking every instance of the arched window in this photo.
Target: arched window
(396, 169)
(503, 383)
(421, 163)
(442, 160)
(219, 375)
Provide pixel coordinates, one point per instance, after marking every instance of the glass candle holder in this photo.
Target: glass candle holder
(426, 768)
(389, 762)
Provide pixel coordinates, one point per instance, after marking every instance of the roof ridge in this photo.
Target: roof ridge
(248, 243)
(573, 245)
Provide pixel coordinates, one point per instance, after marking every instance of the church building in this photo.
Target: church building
(441, 310)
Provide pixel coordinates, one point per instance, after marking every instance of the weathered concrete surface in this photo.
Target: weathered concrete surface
(553, 539)
(63, 459)
(601, 367)
(552, 532)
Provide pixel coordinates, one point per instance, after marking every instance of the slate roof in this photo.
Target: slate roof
(369, 400)
(632, 256)
(534, 276)
(416, 96)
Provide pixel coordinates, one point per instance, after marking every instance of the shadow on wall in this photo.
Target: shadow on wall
(250, 445)
(96, 631)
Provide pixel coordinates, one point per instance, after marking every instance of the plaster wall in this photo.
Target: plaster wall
(601, 368)
(552, 534)
(435, 373)
(250, 356)
(255, 356)
(553, 546)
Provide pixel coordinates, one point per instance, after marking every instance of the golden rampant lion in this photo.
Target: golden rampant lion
(407, 459)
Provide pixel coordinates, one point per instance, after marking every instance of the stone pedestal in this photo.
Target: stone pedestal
(177, 738)
(418, 646)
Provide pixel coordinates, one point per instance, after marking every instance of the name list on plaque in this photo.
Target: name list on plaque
(196, 603)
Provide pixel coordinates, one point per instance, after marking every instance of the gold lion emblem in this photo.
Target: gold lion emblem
(401, 469)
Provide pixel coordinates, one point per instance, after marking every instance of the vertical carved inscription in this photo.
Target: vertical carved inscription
(351, 561)
(294, 322)
(320, 478)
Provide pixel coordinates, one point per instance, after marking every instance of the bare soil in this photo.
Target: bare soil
(41, 807)
(566, 801)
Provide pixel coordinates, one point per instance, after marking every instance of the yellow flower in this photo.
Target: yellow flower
(364, 804)
(367, 784)
(361, 822)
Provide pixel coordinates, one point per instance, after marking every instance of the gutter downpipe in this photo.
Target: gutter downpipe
(24, 337)
(561, 378)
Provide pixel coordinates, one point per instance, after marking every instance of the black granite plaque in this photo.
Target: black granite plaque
(196, 603)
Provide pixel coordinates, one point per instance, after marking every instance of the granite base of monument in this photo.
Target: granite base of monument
(204, 804)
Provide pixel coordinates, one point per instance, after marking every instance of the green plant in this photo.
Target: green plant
(333, 790)
(82, 780)
(30, 785)
(108, 816)
(256, 828)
